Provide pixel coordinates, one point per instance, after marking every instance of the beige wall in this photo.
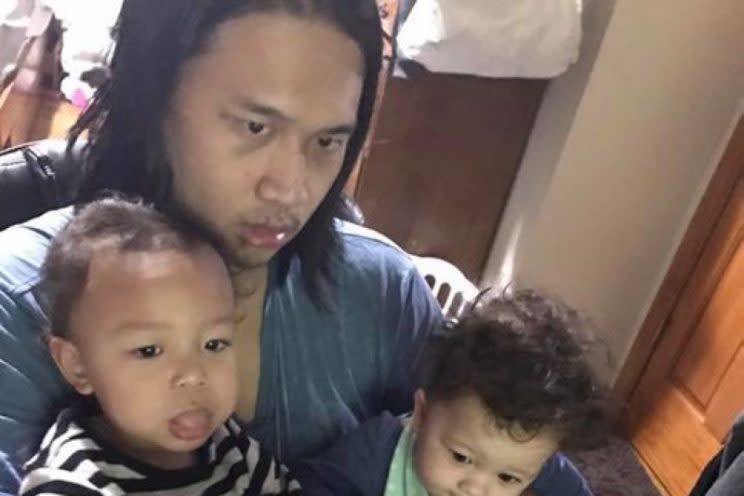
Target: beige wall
(620, 174)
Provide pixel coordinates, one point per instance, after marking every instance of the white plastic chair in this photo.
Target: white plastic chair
(446, 282)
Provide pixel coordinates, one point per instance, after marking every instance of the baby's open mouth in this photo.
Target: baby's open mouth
(192, 425)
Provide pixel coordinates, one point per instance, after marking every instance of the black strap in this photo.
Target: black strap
(46, 178)
(35, 178)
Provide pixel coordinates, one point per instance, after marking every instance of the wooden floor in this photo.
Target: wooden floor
(659, 486)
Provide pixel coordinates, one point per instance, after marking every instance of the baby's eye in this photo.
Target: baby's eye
(217, 345)
(460, 458)
(509, 479)
(147, 352)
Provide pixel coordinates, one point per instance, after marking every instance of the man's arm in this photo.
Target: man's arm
(9, 479)
(418, 315)
(356, 464)
(560, 477)
(29, 385)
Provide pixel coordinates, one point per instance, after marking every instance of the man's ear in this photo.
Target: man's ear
(419, 409)
(67, 357)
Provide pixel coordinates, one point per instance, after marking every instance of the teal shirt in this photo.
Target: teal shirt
(402, 479)
(322, 372)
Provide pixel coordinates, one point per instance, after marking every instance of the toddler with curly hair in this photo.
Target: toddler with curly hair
(502, 391)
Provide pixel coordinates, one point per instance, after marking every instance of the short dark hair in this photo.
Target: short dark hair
(524, 357)
(124, 120)
(126, 225)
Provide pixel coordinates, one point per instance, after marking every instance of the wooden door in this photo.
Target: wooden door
(389, 17)
(442, 161)
(693, 385)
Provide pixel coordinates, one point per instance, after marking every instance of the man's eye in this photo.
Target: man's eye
(217, 345)
(330, 143)
(509, 479)
(148, 352)
(460, 458)
(257, 128)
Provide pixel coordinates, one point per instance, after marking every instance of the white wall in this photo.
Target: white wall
(620, 157)
(550, 132)
(14, 17)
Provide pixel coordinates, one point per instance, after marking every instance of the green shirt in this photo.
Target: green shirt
(402, 479)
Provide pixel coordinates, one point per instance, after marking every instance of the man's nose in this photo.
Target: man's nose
(285, 178)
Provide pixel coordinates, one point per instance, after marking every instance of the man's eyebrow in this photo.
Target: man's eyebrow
(275, 113)
(262, 109)
(340, 129)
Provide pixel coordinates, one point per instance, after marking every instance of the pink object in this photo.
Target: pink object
(79, 99)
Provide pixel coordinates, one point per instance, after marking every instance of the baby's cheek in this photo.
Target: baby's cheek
(432, 468)
(225, 387)
(129, 392)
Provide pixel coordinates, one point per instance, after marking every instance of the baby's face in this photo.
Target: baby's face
(459, 451)
(152, 332)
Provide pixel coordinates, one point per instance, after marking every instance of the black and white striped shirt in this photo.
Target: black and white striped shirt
(73, 461)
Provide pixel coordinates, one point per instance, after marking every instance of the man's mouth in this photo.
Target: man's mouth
(268, 236)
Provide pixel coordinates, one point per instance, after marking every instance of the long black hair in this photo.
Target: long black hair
(126, 151)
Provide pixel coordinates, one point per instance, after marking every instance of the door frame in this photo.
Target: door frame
(730, 159)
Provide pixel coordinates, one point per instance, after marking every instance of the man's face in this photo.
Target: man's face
(258, 127)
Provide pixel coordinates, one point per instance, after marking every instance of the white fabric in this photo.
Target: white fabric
(87, 36)
(87, 39)
(14, 18)
(493, 38)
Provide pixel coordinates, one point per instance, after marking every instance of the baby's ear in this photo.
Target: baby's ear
(419, 409)
(67, 357)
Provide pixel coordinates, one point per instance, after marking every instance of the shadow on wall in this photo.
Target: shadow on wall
(549, 135)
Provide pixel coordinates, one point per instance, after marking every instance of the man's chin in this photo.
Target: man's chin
(247, 260)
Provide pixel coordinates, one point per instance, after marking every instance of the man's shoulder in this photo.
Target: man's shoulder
(351, 233)
(369, 250)
(23, 248)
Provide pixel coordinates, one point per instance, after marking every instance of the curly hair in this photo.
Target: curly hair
(524, 357)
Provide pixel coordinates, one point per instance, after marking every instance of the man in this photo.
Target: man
(244, 118)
